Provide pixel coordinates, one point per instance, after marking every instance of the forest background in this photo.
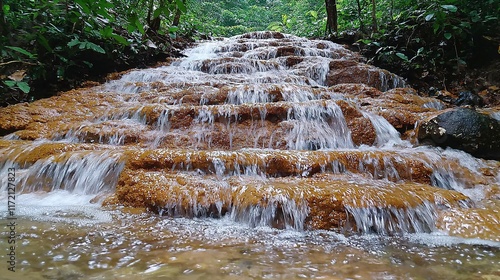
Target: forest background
(49, 46)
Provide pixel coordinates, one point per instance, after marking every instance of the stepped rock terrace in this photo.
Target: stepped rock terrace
(265, 130)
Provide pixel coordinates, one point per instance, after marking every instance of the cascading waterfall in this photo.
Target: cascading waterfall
(260, 156)
(277, 109)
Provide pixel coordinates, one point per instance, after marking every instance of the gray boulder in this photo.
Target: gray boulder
(464, 129)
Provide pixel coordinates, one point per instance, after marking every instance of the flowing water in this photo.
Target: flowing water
(261, 156)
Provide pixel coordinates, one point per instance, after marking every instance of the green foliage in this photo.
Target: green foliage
(57, 41)
(23, 86)
(228, 18)
(61, 39)
(433, 36)
(86, 45)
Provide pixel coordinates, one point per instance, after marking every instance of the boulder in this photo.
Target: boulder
(467, 98)
(464, 129)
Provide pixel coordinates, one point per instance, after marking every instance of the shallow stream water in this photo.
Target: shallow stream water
(93, 243)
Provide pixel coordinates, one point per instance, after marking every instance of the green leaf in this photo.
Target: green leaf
(402, 56)
(106, 4)
(23, 51)
(84, 6)
(139, 26)
(131, 27)
(313, 14)
(74, 42)
(60, 73)
(173, 29)
(450, 8)
(23, 86)
(6, 9)
(120, 39)
(44, 42)
(465, 25)
(181, 6)
(447, 36)
(429, 17)
(94, 47)
(365, 41)
(157, 12)
(62, 58)
(10, 84)
(90, 65)
(106, 32)
(436, 27)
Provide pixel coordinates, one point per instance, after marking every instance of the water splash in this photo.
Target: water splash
(386, 133)
(279, 212)
(317, 126)
(392, 220)
(76, 172)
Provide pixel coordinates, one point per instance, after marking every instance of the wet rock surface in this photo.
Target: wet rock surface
(265, 128)
(464, 129)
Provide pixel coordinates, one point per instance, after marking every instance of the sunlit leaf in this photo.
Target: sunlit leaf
(10, 84)
(23, 86)
(447, 36)
(450, 8)
(314, 14)
(6, 9)
(73, 43)
(429, 17)
(402, 56)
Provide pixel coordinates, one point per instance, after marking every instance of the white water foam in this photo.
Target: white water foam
(387, 135)
(59, 207)
(316, 126)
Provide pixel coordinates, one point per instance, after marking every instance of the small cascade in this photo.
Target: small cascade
(250, 94)
(86, 172)
(279, 211)
(205, 119)
(81, 173)
(263, 129)
(386, 133)
(392, 220)
(317, 127)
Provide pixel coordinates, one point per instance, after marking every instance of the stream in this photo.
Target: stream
(260, 156)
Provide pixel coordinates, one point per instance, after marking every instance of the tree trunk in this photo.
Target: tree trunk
(374, 16)
(177, 16)
(331, 16)
(150, 11)
(361, 24)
